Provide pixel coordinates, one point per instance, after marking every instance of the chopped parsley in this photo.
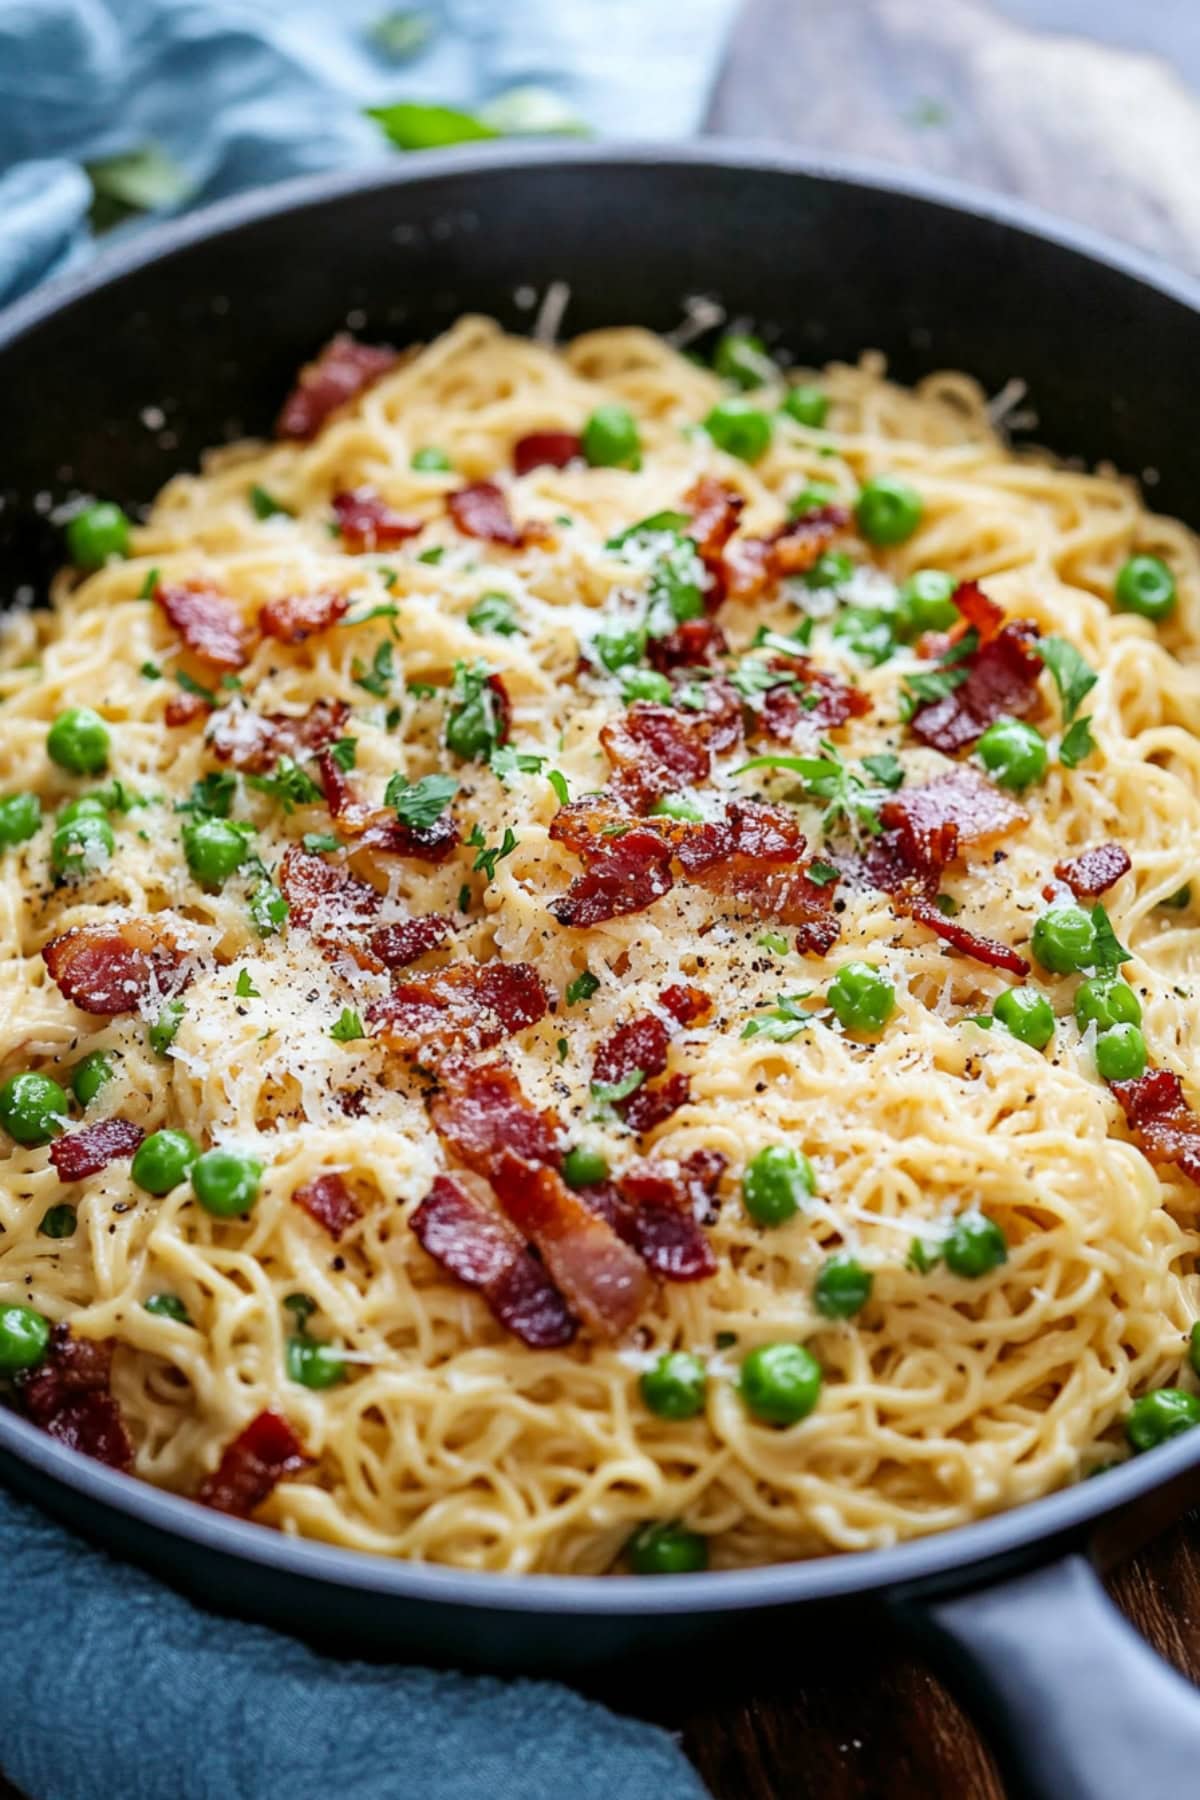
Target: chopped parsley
(1077, 744)
(378, 678)
(774, 941)
(1073, 677)
(190, 686)
(146, 591)
(821, 872)
(347, 1027)
(211, 797)
(151, 671)
(828, 778)
(606, 1094)
(486, 859)
(558, 782)
(475, 720)
(886, 768)
(582, 988)
(1110, 953)
(289, 785)
(493, 613)
(344, 752)
(786, 1020)
(383, 609)
(420, 804)
(315, 842)
(265, 506)
(245, 988)
(505, 761)
(433, 555)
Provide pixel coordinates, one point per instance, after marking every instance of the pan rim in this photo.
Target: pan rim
(839, 1574)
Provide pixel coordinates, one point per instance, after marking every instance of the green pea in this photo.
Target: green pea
(1145, 585)
(165, 1028)
(743, 359)
(776, 1184)
(78, 741)
(431, 460)
(807, 405)
(167, 1306)
(974, 1245)
(1013, 752)
(214, 848)
(925, 602)
(645, 684)
(314, 1365)
(1163, 1414)
(676, 1386)
(58, 1222)
(1104, 1001)
(781, 1383)
(740, 429)
(81, 848)
(862, 997)
(226, 1182)
(667, 1549)
(842, 1287)
(1026, 1014)
(24, 1338)
(610, 439)
(96, 533)
(677, 806)
(888, 510)
(87, 806)
(20, 816)
(584, 1166)
(268, 909)
(89, 1076)
(161, 1161)
(1064, 939)
(811, 499)
(32, 1108)
(617, 649)
(1121, 1053)
(833, 568)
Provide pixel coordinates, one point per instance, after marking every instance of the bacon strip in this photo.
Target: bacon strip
(254, 742)
(1094, 871)
(545, 450)
(209, 622)
(324, 894)
(664, 1201)
(253, 1465)
(466, 1006)
(752, 857)
(86, 1152)
(626, 875)
(327, 1200)
(480, 510)
(694, 644)
(1162, 1120)
(342, 371)
(971, 943)
(398, 945)
(821, 702)
(1001, 680)
(933, 824)
(367, 522)
(485, 1252)
(752, 564)
(111, 969)
(293, 617)
(482, 1111)
(69, 1396)
(654, 751)
(183, 709)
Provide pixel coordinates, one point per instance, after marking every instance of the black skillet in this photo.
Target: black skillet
(190, 337)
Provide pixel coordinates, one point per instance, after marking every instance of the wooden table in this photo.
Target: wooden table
(998, 93)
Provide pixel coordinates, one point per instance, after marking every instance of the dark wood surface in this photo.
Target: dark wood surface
(1090, 109)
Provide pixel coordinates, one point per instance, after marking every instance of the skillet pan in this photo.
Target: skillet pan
(113, 382)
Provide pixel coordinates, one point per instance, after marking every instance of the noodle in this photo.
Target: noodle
(450, 1440)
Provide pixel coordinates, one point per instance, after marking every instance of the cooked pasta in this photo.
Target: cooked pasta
(969, 1370)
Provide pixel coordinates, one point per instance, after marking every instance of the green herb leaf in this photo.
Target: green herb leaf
(245, 988)
(142, 180)
(606, 1093)
(1077, 744)
(344, 752)
(886, 769)
(151, 671)
(147, 589)
(786, 1020)
(302, 1307)
(212, 796)
(433, 555)
(486, 859)
(493, 613)
(266, 506)
(412, 126)
(934, 684)
(383, 609)
(582, 988)
(505, 762)
(289, 786)
(378, 678)
(921, 1257)
(348, 1027)
(821, 872)
(420, 804)
(316, 842)
(474, 722)
(558, 782)
(194, 687)
(1110, 952)
(773, 941)
(1073, 677)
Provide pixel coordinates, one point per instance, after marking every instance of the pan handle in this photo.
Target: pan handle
(1077, 1706)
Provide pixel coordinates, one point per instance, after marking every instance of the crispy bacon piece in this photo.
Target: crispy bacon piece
(293, 617)
(340, 373)
(692, 645)
(626, 875)
(209, 622)
(485, 1252)
(665, 1203)
(367, 522)
(686, 1004)
(480, 510)
(378, 828)
(1094, 871)
(482, 1111)
(254, 742)
(1002, 678)
(641, 1045)
(603, 1280)
(933, 824)
(821, 702)
(1162, 1120)
(971, 943)
(327, 1199)
(721, 719)
(86, 1152)
(253, 1465)
(182, 709)
(466, 1006)
(111, 969)
(545, 450)
(715, 511)
(324, 893)
(654, 750)
(398, 945)
(69, 1396)
(752, 564)
(654, 1101)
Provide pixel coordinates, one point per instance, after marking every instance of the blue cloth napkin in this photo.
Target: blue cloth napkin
(114, 1688)
(238, 93)
(111, 1685)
